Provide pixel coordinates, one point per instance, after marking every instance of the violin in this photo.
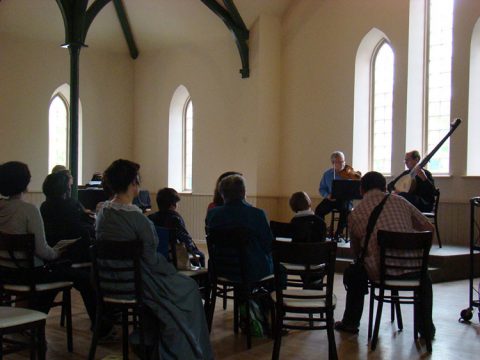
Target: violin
(348, 173)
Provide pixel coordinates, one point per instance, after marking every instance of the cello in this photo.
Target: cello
(405, 183)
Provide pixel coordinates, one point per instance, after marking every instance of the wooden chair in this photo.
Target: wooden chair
(308, 259)
(17, 257)
(14, 320)
(433, 216)
(400, 252)
(228, 266)
(118, 284)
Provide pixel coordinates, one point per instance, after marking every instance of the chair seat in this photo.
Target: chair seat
(400, 283)
(39, 287)
(119, 301)
(13, 316)
(302, 267)
(81, 265)
(309, 298)
(228, 281)
(192, 273)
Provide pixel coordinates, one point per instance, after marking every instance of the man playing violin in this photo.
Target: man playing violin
(422, 191)
(328, 203)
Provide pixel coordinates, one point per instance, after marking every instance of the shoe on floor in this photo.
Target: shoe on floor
(340, 326)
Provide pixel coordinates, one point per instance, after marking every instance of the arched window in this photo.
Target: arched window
(439, 82)
(180, 141)
(373, 103)
(58, 130)
(473, 160)
(382, 100)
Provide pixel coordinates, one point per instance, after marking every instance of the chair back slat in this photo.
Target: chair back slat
(403, 253)
(310, 259)
(281, 229)
(227, 249)
(116, 269)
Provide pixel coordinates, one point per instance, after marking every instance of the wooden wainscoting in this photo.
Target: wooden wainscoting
(454, 217)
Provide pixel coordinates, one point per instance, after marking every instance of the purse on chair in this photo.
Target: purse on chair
(355, 275)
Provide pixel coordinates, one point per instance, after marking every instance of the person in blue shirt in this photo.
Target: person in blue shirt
(237, 212)
(329, 203)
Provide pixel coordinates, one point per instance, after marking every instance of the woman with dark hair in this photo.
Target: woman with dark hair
(19, 217)
(178, 328)
(217, 197)
(167, 216)
(63, 217)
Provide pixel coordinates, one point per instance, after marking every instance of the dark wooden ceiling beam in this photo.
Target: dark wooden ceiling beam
(127, 30)
(232, 19)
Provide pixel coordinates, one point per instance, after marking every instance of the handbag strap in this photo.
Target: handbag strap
(371, 224)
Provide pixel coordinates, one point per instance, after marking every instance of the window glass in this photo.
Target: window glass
(57, 133)
(381, 148)
(439, 82)
(188, 146)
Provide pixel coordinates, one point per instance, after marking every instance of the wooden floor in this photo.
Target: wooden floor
(454, 340)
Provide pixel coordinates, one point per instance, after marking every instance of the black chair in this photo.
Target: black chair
(17, 259)
(305, 260)
(228, 266)
(400, 252)
(118, 284)
(14, 320)
(433, 215)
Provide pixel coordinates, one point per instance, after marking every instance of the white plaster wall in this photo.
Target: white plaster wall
(29, 73)
(320, 40)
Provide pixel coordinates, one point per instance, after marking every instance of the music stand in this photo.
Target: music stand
(346, 190)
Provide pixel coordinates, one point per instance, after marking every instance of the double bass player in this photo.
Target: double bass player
(421, 193)
(338, 171)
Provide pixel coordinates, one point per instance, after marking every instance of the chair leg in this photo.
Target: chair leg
(437, 233)
(68, 314)
(370, 311)
(332, 347)
(224, 297)
(96, 329)
(278, 334)
(42, 347)
(125, 334)
(143, 349)
(392, 311)
(62, 316)
(236, 313)
(398, 310)
(1, 346)
(377, 320)
(33, 342)
(211, 310)
(247, 326)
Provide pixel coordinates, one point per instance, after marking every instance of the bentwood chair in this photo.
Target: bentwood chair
(118, 284)
(296, 308)
(404, 253)
(228, 266)
(433, 216)
(17, 259)
(14, 320)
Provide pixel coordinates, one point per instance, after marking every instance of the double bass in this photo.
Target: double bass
(406, 182)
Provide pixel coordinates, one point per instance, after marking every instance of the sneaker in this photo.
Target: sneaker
(340, 326)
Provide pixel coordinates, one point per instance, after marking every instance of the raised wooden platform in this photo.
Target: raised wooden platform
(448, 263)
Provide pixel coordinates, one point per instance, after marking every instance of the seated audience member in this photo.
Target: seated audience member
(177, 328)
(167, 216)
(307, 226)
(397, 215)
(217, 197)
(62, 217)
(237, 212)
(19, 217)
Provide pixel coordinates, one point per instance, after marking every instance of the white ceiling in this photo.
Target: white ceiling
(154, 23)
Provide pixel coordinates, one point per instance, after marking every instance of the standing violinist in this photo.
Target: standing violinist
(329, 203)
(422, 191)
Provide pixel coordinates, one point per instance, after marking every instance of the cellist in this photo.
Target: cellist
(338, 171)
(421, 192)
